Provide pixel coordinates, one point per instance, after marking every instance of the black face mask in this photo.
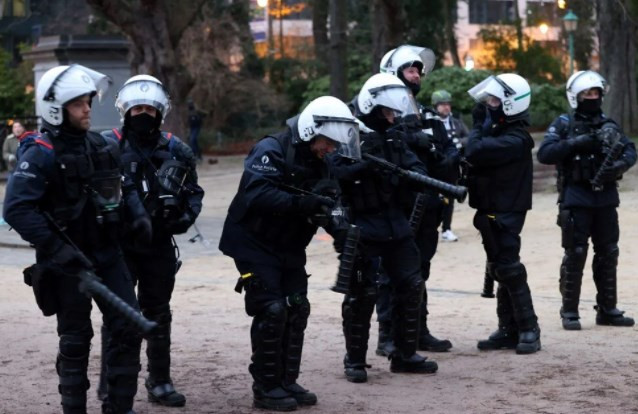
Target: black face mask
(590, 106)
(376, 121)
(496, 114)
(142, 124)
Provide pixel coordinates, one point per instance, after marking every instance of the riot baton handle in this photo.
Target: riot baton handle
(90, 283)
(347, 261)
(417, 212)
(458, 192)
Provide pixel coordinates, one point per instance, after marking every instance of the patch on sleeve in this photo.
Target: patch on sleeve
(22, 170)
(263, 165)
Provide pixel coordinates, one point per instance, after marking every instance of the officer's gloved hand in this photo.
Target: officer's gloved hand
(313, 204)
(479, 115)
(143, 230)
(70, 260)
(422, 140)
(614, 171)
(181, 224)
(583, 143)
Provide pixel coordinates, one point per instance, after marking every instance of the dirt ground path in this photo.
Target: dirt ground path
(590, 371)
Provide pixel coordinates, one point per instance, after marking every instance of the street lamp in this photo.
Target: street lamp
(571, 23)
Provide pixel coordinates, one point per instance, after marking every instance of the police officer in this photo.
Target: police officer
(427, 138)
(266, 232)
(591, 153)
(457, 132)
(377, 201)
(63, 198)
(500, 189)
(161, 169)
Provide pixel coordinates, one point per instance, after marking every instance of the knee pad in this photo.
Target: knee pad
(158, 313)
(608, 252)
(576, 256)
(511, 273)
(300, 310)
(75, 346)
(272, 316)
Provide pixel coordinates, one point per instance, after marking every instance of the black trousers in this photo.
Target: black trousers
(427, 241)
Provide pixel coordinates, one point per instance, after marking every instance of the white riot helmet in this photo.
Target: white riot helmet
(327, 116)
(405, 56)
(388, 91)
(143, 90)
(62, 84)
(582, 81)
(512, 89)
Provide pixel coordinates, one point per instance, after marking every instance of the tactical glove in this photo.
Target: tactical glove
(181, 224)
(583, 143)
(143, 230)
(70, 260)
(479, 114)
(614, 171)
(313, 204)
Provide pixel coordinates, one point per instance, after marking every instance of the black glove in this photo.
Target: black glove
(583, 143)
(422, 140)
(143, 230)
(180, 225)
(313, 204)
(70, 260)
(479, 114)
(614, 171)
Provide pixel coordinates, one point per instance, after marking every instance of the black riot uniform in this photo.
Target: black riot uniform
(266, 232)
(428, 139)
(72, 177)
(578, 144)
(500, 189)
(377, 202)
(160, 168)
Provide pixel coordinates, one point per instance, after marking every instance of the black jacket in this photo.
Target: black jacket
(500, 177)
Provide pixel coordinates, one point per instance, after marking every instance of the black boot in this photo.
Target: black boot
(571, 276)
(102, 391)
(514, 278)
(612, 317)
(604, 269)
(158, 351)
(405, 319)
(506, 336)
(266, 335)
(427, 342)
(356, 311)
(276, 398)
(385, 346)
(292, 348)
(71, 366)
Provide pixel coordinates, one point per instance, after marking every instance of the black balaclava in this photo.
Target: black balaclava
(414, 87)
(375, 120)
(143, 125)
(590, 107)
(497, 115)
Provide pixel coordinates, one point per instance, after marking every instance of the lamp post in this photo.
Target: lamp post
(571, 23)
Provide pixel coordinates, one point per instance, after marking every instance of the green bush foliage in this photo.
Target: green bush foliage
(14, 100)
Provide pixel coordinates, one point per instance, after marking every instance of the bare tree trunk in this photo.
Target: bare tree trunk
(155, 28)
(320, 32)
(338, 49)
(519, 27)
(388, 22)
(617, 39)
(450, 21)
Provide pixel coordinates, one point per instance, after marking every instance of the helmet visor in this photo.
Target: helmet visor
(143, 92)
(396, 97)
(426, 56)
(343, 131)
(490, 86)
